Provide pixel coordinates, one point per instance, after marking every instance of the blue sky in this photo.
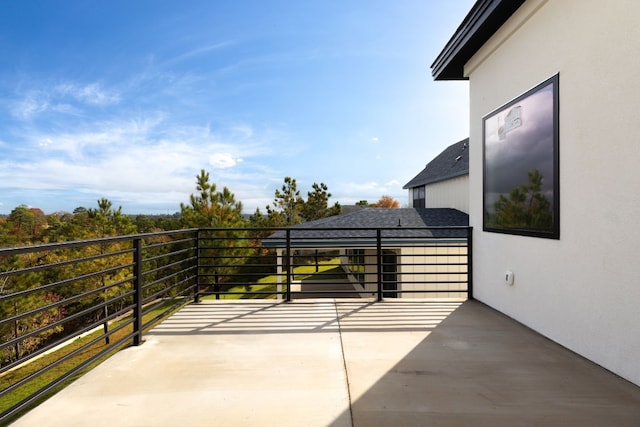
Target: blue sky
(128, 100)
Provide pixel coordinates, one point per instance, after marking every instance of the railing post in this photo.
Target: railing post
(470, 263)
(216, 284)
(137, 294)
(379, 261)
(288, 264)
(196, 289)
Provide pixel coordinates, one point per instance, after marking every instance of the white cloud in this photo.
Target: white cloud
(358, 187)
(142, 160)
(45, 142)
(223, 160)
(61, 98)
(92, 93)
(32, 104)
(392, 184)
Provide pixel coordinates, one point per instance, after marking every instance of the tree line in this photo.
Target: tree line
(208, 207)
(238, 239)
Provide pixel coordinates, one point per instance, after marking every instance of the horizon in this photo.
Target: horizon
(130, 101)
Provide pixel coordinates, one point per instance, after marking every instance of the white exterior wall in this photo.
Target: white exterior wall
(452, 193)
(583, 290)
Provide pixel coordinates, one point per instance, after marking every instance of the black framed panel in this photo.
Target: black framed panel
(521, 164)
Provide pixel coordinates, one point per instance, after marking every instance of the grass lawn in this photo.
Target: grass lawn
(327, 270)
(33, 386)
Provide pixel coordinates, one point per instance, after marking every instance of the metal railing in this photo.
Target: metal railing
(81, 301)
(66, 306)
(336, 262)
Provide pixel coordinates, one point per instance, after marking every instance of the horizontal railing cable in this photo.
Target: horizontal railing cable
(52, 293)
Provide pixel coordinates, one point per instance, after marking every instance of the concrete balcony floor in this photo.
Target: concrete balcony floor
(343, 363)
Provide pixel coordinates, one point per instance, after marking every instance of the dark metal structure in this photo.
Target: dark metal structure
(66, 306)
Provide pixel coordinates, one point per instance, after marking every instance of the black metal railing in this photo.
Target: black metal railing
(335, 262)
(66, 306)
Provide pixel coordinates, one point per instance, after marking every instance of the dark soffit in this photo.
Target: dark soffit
(482, 21)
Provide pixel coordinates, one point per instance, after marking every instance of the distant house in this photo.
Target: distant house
(444, 182)
(554, 122)
(409, 252)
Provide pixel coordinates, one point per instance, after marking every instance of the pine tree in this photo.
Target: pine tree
(317, 204)
(211, 208)
(228, 245)
(525, 208)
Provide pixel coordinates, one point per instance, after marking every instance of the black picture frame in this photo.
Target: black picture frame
(521, 188)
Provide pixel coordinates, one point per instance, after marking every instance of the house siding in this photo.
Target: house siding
(452, 193)
(419, 267)
(415, 271)
(583, 289)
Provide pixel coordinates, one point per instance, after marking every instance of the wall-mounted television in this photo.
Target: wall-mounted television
(521, 164)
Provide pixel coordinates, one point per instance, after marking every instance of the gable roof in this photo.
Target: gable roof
(358, 228)
(452, 162)
(482, 21)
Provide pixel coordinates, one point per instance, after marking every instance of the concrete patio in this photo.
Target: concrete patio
(343, 363)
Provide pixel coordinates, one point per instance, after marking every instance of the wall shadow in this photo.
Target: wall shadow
(477, 367)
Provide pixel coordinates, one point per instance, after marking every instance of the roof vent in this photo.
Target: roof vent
(458, 158)
(399, 225)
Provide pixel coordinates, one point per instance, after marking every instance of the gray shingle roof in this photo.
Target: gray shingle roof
(359, 227)
(452, 162)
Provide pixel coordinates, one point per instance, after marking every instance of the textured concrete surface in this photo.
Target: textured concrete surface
(343, 363)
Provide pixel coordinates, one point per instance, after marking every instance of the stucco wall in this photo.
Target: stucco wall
(583, 290)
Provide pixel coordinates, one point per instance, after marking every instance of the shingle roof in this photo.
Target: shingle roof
(359, 227)
(452, 162)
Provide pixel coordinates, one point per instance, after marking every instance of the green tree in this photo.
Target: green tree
(144, 224)
(86, 224)
(290, 208)
(211, 208)
(107, 221)
(7, 236)
(317, 204)
(526, 207)
(15, 306)
(287, 205)
(23, 222)
(227, 246)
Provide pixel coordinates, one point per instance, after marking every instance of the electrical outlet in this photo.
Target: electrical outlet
(508, 277)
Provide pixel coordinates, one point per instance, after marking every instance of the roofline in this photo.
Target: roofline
(364, 243)
(440, 179)
(482, 21)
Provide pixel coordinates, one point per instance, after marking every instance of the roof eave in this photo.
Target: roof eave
(433, 181)
(482, 21)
